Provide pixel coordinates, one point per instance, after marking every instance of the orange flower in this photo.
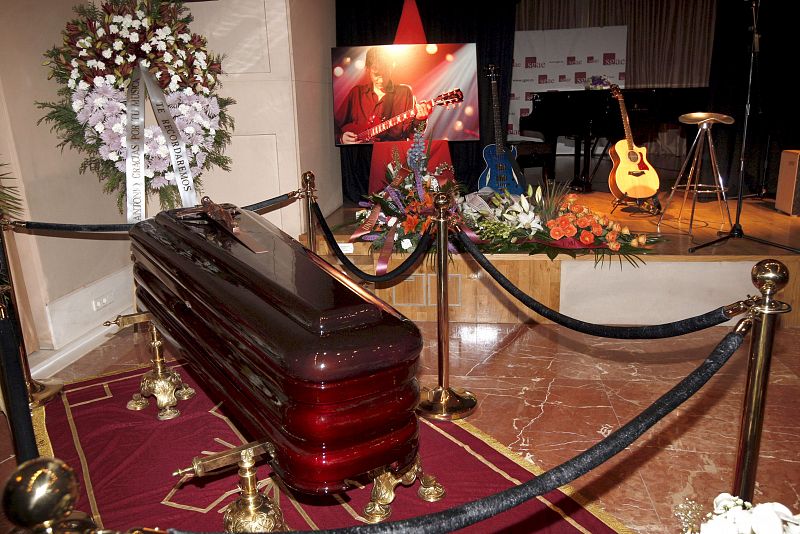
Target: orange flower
(425, 224)
(614, 246)
(410, 223)
(587, 238)
(570, 231)
(597, 229)
(556, 232)
(612, 236)
(584, 222)
(563, 222)
(551, 223)
(572, 197)
(576, 208)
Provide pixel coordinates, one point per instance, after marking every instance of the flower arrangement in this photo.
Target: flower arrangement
(551, 222)
(100, 50)
(597, 82)
(733, 515)
(397, 216)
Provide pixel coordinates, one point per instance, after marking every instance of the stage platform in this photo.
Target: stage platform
(673, 284)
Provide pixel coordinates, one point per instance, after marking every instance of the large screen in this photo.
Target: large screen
(375, 89)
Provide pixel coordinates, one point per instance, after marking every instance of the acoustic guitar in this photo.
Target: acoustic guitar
(452, 97)
(500, 173)
(632, 176)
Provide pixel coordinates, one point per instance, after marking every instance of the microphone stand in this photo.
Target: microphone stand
(736, 230)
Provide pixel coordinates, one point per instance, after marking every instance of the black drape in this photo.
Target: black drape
(772, 124)
(489, 26)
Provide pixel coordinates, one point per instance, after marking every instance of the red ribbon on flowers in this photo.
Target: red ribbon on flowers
(366, 226)
(567, 243)
(386, 251)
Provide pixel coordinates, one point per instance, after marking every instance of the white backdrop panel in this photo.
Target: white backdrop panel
(563, 60)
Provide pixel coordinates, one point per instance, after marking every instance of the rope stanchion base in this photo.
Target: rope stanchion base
(43, 391)
(446, 404)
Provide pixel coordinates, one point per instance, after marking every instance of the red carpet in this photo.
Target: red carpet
(124, 460)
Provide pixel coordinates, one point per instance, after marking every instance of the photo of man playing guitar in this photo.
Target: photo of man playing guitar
(376, 101)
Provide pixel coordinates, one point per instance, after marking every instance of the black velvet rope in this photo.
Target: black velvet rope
(264, 204)
(677, 328)
(423, 245)
(15, 391)
(61, 227)
(472, 512)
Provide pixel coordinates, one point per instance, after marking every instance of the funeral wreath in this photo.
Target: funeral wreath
(103, 51)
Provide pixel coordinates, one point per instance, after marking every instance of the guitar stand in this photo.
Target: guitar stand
(650, 205)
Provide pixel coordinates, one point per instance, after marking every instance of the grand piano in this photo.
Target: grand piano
(590, 115)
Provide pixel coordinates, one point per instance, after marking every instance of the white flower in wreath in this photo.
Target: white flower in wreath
(732, 515)
(406, 244)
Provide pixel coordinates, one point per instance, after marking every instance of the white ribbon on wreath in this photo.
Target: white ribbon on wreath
(134, 168)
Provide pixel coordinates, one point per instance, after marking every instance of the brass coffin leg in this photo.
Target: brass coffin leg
(252, 512)
(164, 384)
(385, 481)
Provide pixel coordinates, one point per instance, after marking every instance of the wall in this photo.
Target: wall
(53, 189)
(273, 143)
(313, 34)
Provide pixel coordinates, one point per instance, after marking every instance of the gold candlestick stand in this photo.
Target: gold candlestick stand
(252, 511)
(161, 382)
(444, 402)
(769, 276)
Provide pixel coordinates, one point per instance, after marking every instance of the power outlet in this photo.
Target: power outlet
(102, 301)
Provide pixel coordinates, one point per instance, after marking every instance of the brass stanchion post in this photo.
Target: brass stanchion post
(39, 391)
(310, 193)
(769, 276)
(444, 402)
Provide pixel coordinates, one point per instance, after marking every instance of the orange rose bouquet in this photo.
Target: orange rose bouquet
(552, 222)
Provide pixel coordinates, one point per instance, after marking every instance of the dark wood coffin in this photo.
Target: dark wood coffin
(298, 353)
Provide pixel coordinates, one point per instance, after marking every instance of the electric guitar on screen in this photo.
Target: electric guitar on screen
(370, 131)
(632, 176)
(500, 173)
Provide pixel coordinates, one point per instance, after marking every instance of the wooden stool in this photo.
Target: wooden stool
(704, 122)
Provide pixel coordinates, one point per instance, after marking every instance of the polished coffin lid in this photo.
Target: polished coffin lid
(330, 380)
(329, 315)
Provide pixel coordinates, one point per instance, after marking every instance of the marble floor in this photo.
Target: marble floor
(549, 394)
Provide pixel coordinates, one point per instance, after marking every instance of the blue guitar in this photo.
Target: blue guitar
(501, 172)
